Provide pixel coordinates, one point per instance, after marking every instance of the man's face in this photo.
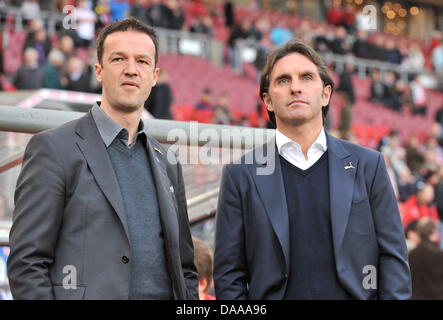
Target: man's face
(296, 94)
(128, 71)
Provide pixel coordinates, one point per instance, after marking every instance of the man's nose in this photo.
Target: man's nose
(131, 67)
(296, 87)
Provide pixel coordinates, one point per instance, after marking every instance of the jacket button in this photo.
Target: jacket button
(125, 259)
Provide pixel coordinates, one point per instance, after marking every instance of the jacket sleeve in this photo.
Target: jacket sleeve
(186, 247)
(230, 269)
(394, 279)
(37, 218)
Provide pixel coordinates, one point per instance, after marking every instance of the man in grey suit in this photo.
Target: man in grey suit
(324, 223)
(99, 211)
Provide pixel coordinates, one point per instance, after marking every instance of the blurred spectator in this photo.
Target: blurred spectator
(348, 19)
(392, 53)
(414, 158)
(418, 97)
(139, 10)
(157, 14)
(437, 58)
(198, 8)
(439, 199)
(415, 60)
(305, 33)
(78, 77)
(435, 40)
(174, 15)
(439, 116)
(395, 152)
(229, 13)
(377, 87)
(432, 145)
(35, 26)
(30, 75)
(40, 42)
(345, 83)
(361, 45)
(280, 34)
(52, 70)
(345, 115)
(407, 184)
(321, 42)
(30, 10)
(203, 260)
(86, 23)
(239, 32)
(339, 44)
(221, 110)
(400, 95)
(426, 263)
(118, 9)
(205, 100)
(420, 205)
(66, 46)
(160, 100)
(376, 49)
(104, 14)
(389, 98)
(263, 47)
(203, 25)
(335, 13)
(412, 236)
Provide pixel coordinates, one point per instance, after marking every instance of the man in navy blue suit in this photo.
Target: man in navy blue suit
(324, 223)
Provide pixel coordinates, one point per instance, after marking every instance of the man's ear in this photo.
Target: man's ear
(156, 75)
(268, 102)
(203, 284)
(326, 96)
(98, 72)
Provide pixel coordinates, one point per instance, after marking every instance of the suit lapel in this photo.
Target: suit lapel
(94, 151)
(342, 170)
(272, 193)
(165, 194)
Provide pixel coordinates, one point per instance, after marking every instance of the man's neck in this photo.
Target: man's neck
(128, 120)
(305, 135)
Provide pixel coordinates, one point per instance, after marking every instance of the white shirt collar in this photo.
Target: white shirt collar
(319, 144)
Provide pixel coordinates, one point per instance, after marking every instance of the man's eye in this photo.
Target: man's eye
(143, 61)
(282, 81)
(307, 77)
(117, 59)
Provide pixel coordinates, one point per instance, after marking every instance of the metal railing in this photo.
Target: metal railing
(28, 120)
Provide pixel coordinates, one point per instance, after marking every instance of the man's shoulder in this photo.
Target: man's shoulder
(362, 152)
(61, 134)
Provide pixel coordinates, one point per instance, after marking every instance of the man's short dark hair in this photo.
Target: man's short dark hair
(294, 46)
(203, 259)
(132, 24)
(426, 227)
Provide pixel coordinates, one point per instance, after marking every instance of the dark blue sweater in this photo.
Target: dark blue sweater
(313, 272)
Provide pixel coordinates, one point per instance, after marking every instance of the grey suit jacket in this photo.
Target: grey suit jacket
(69, 212)
(252, 249)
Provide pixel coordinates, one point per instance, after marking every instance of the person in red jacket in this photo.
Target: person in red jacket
(420, 205)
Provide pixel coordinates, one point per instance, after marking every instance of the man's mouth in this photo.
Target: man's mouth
(129, 84)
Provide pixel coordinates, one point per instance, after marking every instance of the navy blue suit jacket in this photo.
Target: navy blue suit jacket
(252, 244)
